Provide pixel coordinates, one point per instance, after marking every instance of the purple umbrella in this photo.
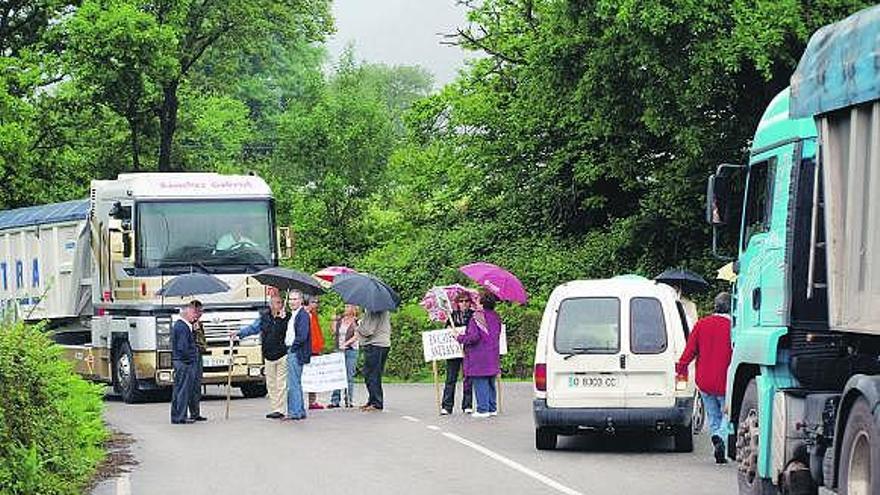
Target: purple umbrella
(496, 280)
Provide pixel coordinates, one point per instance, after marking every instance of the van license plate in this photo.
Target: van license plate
(213, 361)
(593, 381)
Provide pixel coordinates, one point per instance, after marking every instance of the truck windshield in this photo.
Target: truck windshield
(216, 236)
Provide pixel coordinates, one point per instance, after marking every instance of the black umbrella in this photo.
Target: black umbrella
(366, 291)
(287, 279)
(686, 280)
(192, 284)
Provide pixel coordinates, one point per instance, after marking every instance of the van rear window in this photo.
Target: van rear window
(647, 326)
(588, 325)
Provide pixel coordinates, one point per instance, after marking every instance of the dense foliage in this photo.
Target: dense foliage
(577, 146)
(51, 431)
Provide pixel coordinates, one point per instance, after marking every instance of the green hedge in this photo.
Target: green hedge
(406, 362)
(51, 429)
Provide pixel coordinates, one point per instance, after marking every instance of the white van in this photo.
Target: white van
(605, 362)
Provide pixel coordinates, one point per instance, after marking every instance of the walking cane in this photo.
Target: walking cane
(229, 378)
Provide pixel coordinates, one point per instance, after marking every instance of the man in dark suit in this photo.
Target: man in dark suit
(184, 354)
(299, 341)
(202, 345)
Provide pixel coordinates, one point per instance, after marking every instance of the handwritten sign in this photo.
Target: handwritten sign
(440, 345)
(325, 373)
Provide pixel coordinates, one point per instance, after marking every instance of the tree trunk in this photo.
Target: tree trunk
(167, 125)
(135, 145)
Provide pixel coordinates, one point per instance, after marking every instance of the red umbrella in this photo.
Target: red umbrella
(496, 280)
(331, 272)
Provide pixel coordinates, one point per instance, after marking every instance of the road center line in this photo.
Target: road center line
(433, 427)
(513, 464)
(412, 419)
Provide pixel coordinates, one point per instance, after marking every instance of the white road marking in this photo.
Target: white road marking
(412, 419)
(513, 464)
(123, 485)
(434, 427)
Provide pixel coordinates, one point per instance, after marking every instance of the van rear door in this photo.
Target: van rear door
(650, 363)
(584, 354)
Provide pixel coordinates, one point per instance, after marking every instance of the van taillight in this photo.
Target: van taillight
(541, 377)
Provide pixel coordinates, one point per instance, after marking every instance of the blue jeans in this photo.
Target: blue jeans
(351, 358)
(484, 387)
(714, 406)
(295, 407)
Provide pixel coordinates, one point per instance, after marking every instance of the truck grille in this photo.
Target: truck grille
(218, 332)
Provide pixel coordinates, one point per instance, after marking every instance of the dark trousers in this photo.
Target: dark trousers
(196, 396)
(374, 366)
(453, 366)
(180, 394)
(485, 388)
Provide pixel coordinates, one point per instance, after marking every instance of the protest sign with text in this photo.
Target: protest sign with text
(440, 345)
(325, 373)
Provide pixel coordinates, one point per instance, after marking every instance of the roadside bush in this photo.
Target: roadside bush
(51, 430)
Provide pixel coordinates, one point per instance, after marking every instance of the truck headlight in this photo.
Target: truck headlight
(163, 332)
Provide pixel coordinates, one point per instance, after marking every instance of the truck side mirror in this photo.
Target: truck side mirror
(285, 243)
(716, 211)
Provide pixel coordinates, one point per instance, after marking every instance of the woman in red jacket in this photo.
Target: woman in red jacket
(709, 343)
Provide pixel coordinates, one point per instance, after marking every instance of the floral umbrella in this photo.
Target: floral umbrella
(438, 300)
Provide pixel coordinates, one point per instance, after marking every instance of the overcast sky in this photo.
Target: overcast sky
(400, 32)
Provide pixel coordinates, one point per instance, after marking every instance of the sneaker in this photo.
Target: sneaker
(370, 408)
(315, 405)
(444, 412)
(468, 410)
(275, 415)
(493, 413)
(333, 406)
(720, 458)
(481, 415)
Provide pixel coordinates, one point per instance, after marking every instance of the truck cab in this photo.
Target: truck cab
(98, 267)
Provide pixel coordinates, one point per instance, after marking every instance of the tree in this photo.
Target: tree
(155, 47)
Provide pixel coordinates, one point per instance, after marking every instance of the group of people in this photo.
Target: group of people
(481, 362)
(290, 334)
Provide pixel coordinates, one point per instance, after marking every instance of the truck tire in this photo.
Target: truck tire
(545, 439)
(747, 446)
(859, 471)
(124, 379)
(253, 390)
(684, 439)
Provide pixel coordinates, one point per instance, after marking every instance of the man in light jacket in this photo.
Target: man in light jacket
(374, 333)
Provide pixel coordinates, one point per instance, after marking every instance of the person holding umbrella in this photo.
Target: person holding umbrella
(374, 331)
(482, 362)
(317, 344)
(345, 333)
(184, 354)
(299, 342)
(374, 334)
(272, 327)
(461, 316)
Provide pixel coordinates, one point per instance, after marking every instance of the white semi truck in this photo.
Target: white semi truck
(91, 269)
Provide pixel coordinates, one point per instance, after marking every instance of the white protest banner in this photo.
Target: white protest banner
(440, 345)
(325, 373)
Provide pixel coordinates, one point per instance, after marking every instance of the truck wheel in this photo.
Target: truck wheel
(545, 439)
(859, 472)
(253, 390)
(684, 439)
(124, 379)
(747, 446)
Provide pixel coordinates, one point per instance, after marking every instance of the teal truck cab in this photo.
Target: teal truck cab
(803, 391)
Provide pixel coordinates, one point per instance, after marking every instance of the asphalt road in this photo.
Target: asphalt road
(405, 449)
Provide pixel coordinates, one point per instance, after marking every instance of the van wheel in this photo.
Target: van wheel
(684, 439)
(859, 471)
(253, 390)
(545, 439)
(124, 377)
(747, 447)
